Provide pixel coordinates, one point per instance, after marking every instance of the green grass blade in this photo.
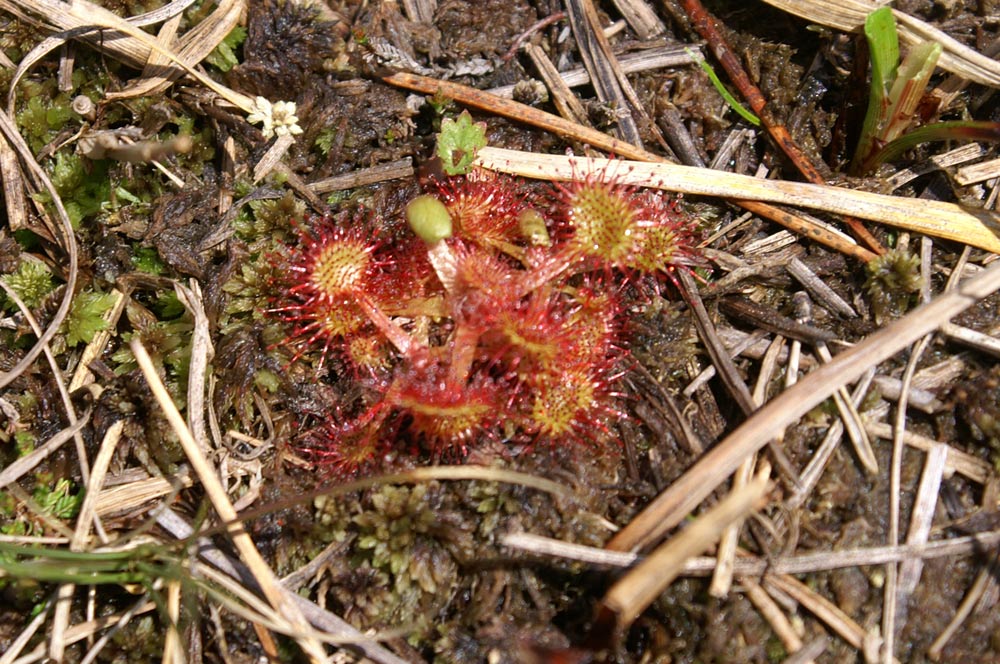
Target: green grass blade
(883, 47)
(954, 130)
(742, 110)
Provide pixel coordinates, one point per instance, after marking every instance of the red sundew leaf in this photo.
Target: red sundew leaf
(347, 449)
(484, 209)
(329, 288)
(572, 406)
(530, 338)
(616, 226)
(445, 416)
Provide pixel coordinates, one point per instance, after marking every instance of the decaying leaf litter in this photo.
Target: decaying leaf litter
(148, 396)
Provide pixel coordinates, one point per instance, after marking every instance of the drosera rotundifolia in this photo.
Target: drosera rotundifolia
(496, 324)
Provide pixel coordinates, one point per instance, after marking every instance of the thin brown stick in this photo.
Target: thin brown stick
(706, 26)
(507, 108)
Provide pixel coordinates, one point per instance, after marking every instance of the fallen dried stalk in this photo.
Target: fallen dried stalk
(634, 591)
(638, 61)
(86, 630)
(605, 73)
(934, 218)
(507, 108)
(220, 501)
(132, 45)
(806, 563)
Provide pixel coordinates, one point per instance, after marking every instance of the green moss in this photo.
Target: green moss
(32, 281)
(409, 574)
(224, 56)
(267, 380)
(83, 185)
(25, 441)
(147, 259)
(86, 317)
(324, 140)
(893, 281)
(269, 219)
(57, 500)
(168, 306)
(168, 343)
(45, 113)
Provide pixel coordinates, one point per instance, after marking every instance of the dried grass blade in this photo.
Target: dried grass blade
(322, 619)
(959, 462)
(920, 520)
(72, 25)
(134, 47)
(934, 218)
(849, 15)
(195, 45)
(15, 202)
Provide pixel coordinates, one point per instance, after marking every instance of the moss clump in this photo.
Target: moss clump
(396, 555)
(45, 113)
(893, 281)
(32, 281)
(83, 185)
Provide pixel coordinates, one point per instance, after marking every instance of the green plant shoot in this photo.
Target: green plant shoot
(895, 88)
(458, 143)
(742, 110)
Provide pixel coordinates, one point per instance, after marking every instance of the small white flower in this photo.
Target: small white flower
(278, 118)
(261, 112)
(285, 120)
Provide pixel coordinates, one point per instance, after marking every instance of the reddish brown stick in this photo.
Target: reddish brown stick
(706, 26)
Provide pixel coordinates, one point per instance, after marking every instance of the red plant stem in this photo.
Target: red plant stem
(706, 25)
(396, 335)
(465, 342)
(547, 21)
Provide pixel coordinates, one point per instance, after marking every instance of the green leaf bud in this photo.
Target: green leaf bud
(429, 218)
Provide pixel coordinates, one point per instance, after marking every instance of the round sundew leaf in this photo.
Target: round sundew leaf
(429, 218)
